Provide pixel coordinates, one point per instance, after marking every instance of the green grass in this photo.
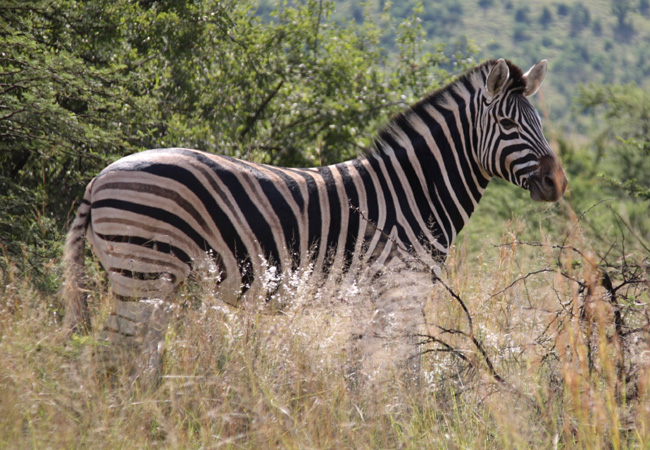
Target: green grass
(571, 377)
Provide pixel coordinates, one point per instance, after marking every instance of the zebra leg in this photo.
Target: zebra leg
(386, 343)
(135, 332)
(150, 365)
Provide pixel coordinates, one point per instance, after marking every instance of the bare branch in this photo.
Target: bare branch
(629, 227)
(371, 223)
(471, 335)
(261, 109)
(530, 274)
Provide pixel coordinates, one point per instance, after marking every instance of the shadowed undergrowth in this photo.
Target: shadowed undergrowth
(528, 345)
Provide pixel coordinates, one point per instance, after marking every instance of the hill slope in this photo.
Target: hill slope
(601, 41)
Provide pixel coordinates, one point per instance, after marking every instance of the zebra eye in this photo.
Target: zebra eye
(507, 124)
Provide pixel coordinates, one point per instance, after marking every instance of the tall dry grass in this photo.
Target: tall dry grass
(527, 346)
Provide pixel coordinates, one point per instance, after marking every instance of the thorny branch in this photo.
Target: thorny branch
(374, 225)
(528, 275)
(627, 274)
(260, 109)
(471, 335)
(623, 280)
(478, 344)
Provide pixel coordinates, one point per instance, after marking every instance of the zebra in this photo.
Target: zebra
(149, 217)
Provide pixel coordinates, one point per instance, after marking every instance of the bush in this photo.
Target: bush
(90, 81)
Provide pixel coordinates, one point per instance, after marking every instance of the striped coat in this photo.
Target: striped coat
(151, 216)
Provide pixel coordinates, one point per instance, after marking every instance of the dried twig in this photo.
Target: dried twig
(470, 334)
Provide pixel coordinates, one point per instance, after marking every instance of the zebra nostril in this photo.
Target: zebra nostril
(548, 182)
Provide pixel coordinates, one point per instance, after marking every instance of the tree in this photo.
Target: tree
(63, 111)
(624, 29)
(644, 7)
(563, 9)
(485, 4)
(580, 18)
(522, 15)
(622, 148)
(546, 18)
(597, 27)
(83, 82)
(621, 8)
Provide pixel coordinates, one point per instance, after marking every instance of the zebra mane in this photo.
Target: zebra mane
(472, 79)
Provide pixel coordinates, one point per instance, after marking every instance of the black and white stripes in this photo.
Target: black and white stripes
(150, 216)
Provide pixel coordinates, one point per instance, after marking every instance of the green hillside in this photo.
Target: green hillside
(600, 41)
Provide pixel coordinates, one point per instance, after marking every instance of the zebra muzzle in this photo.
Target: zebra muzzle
(549, 183)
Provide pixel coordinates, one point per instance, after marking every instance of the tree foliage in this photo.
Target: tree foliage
(63, 112)
(623, 143)
(84, 82)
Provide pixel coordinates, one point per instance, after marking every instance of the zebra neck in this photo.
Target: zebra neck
(426, 173)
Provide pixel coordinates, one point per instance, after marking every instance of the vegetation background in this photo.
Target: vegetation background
(540, 327)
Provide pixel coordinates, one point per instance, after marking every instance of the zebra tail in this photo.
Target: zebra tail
(75, 291)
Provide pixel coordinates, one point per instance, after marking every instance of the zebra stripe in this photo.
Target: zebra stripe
(151, 216)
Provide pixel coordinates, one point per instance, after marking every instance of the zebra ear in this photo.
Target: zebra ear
(497, 79)
(534, 77)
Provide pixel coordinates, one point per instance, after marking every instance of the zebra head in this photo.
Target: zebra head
(513, 146)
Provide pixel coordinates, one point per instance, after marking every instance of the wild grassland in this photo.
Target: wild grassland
(525, 348)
